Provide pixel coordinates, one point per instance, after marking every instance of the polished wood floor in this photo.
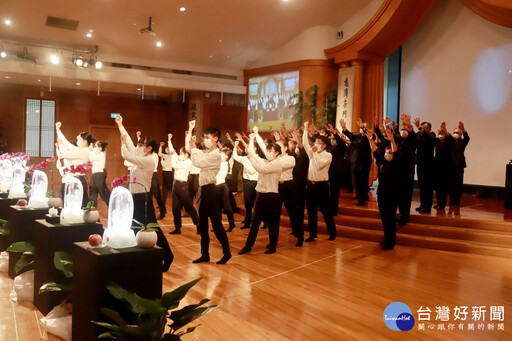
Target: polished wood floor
(325, 290)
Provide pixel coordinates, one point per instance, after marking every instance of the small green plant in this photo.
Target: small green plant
(26, 260)
(50, 194)
(4, 227)
(90, 206)
(63, 262)
(152, 315)
(148, 227)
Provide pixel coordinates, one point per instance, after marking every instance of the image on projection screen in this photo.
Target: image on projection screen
(269, 100)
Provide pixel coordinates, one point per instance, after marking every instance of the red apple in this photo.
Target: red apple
(95, 240)
(21, 202)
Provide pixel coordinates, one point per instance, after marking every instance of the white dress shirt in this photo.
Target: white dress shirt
(209, 164)
(75, 155)
(268, 173)
(181, 168)
(223, 172)
(287, 162)
(248, 173)
(318, 162)
(165, 160)
(98, 161)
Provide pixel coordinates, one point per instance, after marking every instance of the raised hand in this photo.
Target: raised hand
(169, 136)
(407, 120)
(306, 125)
(277, 136)
(254, 130)
(162, 144)
(461, 126)
(417, 122)
(58, 125)
(394, 124)
(237, 143)
(119, 120)
(270, 128)
(389, 135)
(359, 122)
(343, 124)
(252, 136)
(139, 134)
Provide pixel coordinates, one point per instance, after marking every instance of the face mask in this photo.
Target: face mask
(181, 157)
(441, 137)
(271, 157)
(404, 133)
(297, 150)
(334, 143)
(388, 156)
(456, 136)
(361, 131)
(318, 147)
(208, 143)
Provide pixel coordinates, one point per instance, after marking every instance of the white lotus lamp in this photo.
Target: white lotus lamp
(5, 185)
(120, 213)
(38, 190)
(72, 212)
(18, 178)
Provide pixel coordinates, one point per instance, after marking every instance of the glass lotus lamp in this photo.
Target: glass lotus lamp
(38, 190)
(18, 178)
(72, 212)
(120, 213)
(5, 185)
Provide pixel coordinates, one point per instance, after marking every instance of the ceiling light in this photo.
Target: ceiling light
(182, 9)
(7, 77)
(211, 56)
(88, 35)
(7, 22)
(3, 54)
(54, 59)
(220, 40)
(77, 83)
(159, 44)
(98, 65)
(38, 80)
(78, 61)
(139, 89)
(26, 56)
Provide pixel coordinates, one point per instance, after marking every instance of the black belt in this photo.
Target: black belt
(317, 182)
(285, 182)
(182, 182)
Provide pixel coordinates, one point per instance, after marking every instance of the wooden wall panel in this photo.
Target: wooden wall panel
(496, 11)
(227, 118)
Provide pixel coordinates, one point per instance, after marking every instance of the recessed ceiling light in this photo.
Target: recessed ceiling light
(7, 22)
(88, 35)
(77, 83)
(509, 71)
(54, 59)
(211, 56)
(220, 40)
(138, 89)
(38, 80)
(7, 77)
(182, 9)
(91, 31)
(228, 55)
(159, 43)
(98, 65)
(3, 54)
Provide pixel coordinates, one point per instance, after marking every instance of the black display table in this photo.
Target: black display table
(49, 238)
(135, 269)
(508, 187)
(21, 229)
(5, 203)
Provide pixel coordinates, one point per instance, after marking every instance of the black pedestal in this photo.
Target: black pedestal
(135, 269)
(49, 238)
(5, 203)
(508, 188)
(21, 229)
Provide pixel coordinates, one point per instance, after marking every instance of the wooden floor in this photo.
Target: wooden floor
(325, 290)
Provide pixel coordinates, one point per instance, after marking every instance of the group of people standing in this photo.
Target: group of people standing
(299, 168)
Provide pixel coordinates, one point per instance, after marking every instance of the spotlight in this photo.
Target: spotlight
(54, 59)
(182, 9)
(3, 54)
(98, 65)
(7, 22)
(88, 35)
(159, 44)
(26, 56)
(78, 61)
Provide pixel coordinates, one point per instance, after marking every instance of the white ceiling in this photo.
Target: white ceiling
(217, 33)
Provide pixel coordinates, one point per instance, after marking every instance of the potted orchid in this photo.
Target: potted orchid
(91, 214)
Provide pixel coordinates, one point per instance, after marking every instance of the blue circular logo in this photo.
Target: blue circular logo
(398, 316)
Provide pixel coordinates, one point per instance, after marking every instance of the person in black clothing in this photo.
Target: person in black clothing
(461, 138)
(338, 151)
(406, 141)
(361, 160)
(443, 166)
(300, 178)
(425, 165)
(387, 192)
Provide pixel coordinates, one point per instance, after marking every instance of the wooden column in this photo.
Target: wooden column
(358, 93)
(373, 101)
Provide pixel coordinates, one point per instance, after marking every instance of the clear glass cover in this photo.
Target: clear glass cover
(5, 185)
(18, 178)
(120, 213)
(38, 190)
(72, 212)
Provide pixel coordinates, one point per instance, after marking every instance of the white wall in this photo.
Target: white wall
(311, 43)
(458, 67)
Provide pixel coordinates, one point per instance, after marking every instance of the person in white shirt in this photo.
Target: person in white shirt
(180, 193)
(61, 164)
(317, 190)
(223, 189)
(193, 177)
(250, 180)
(267, 206)
(209, 163)
(76, 155)
(97, 185)
(142, 168)
(167, 173)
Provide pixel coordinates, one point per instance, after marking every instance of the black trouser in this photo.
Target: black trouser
(209, 208)
(405, 191)
(267, 208)
(146, 215)
(317, 194)
(231, 182)
(181, 198)
(426, 184)
(387, 209)
(224, 204)
(249, 199)
(335, 185)
(457, 185)
(155, 191)
(300, 191)
(362, 175)
(442, 185)
(85, 187)
(193, 186)
(98, 186)
(168, 178)
(288, 196)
